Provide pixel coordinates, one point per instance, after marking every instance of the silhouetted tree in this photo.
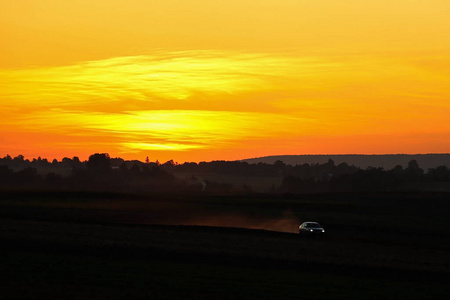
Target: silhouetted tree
(439, 174)
(413, 173)
(19, 158)
(101, 172)
(330, 163)
(76, 160)
(99, 162)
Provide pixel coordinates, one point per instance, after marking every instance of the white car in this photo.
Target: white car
(311, 228)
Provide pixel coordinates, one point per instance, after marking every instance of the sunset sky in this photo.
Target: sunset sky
(202, 80)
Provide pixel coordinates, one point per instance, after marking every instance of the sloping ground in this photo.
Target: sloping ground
(80, 258)
(260, 245)
(105, 246)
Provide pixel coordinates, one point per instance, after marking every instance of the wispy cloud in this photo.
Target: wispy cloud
(153, 80)
(191, 100)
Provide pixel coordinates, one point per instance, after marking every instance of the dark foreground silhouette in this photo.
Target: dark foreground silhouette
(113, 229)
(90, 245)
(102, 173)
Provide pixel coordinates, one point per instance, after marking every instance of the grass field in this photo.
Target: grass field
(106, 246)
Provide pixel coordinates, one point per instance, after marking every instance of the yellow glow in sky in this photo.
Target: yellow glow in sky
(203, 80)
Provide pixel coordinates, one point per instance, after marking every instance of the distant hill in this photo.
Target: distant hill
(386, 161)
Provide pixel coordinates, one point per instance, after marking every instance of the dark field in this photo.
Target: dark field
(107, 246)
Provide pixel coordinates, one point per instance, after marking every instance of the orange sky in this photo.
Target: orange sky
(194, 80)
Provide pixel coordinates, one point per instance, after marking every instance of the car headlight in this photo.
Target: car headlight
(323, 230)
(311, 230)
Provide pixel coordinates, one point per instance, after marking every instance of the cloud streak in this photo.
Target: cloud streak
(154, 77)
(164, 130)
(211, 100)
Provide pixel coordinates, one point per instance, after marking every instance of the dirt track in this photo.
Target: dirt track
(105, 250)
(94, 229)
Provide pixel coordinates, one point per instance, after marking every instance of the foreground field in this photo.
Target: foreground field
(111, 246)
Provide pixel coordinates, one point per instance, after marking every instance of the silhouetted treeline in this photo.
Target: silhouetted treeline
(101, 172)
(373, 179)
(271, 170)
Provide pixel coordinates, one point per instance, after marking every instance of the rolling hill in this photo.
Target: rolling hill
(386, 161)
